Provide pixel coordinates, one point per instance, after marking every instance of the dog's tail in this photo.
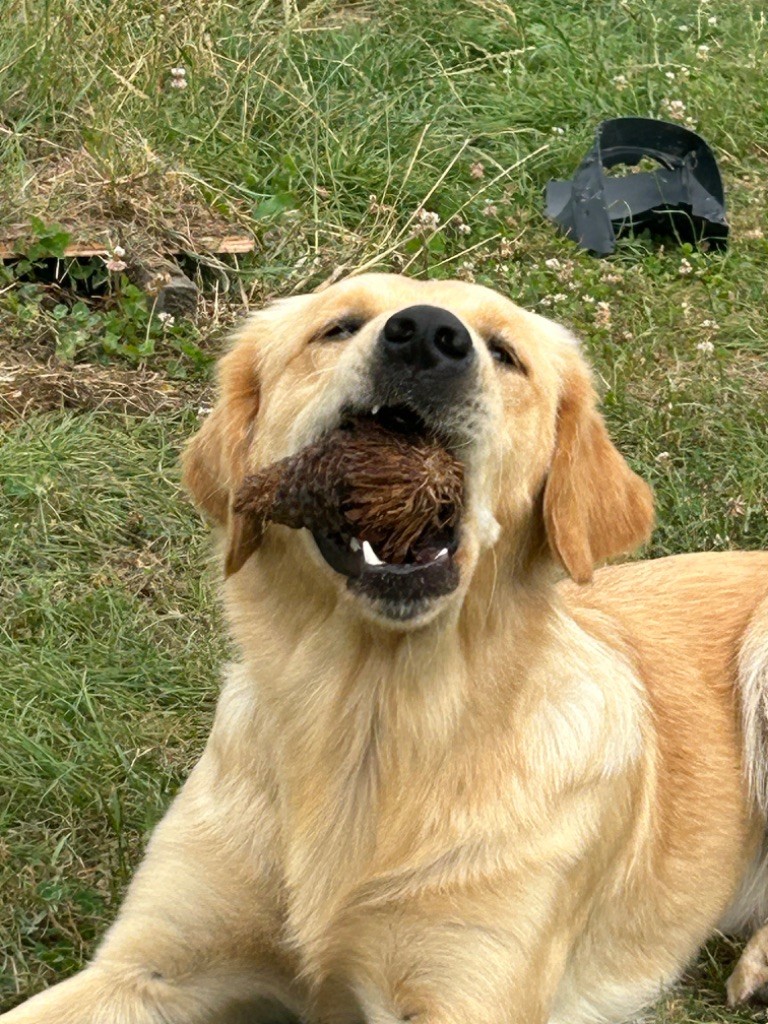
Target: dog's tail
(753, 685)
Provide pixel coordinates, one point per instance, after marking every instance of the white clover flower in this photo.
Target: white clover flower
(711, 325)
(684, 269)
(712, 21)
(669, 75)
(179, 78)
(118, 252)
(427, 218)
(166, 319)
(490, 209)
(477, 170)
(557, 131)
(559, 297)
(674, 109)
(702, 51)
(621, 82)
(553, 263)
(603, 314)
(682, 28)
(464, 229)
(706, 347)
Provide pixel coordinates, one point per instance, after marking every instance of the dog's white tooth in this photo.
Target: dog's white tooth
(375, 409)
(355, 544)
(370, 556)
(441, 554)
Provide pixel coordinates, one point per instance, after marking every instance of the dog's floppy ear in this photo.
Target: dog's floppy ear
(215, 460)
(595, 507)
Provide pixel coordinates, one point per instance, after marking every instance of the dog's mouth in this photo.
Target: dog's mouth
(401, 575)
(381, 493)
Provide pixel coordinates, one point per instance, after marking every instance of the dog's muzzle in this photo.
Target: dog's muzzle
(424, 358)
(423, 383)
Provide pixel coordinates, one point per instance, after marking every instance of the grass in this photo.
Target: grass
(105, 700)
(323, 128)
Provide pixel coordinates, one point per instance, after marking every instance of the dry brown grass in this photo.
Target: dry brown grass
(28, 387)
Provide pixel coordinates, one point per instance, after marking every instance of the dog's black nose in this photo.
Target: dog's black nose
(428, 338)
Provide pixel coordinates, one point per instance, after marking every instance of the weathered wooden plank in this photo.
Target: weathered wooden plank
(220, 245)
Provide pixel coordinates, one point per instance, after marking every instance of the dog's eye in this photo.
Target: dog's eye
(505, 354)
(341, 330)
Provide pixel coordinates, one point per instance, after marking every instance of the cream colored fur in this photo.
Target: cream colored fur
(532, 805)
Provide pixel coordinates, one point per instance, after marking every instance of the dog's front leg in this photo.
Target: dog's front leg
(198, 939)
(445, 962)
(750, 976)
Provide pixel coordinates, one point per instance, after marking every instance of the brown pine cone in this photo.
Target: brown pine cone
(362, 479)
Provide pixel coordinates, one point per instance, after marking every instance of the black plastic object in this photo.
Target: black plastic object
(683, 199)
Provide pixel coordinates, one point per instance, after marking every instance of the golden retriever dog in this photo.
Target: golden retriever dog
(458, 789)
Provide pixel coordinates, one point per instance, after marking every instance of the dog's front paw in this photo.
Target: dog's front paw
(68, 1003)
(749, 980)
(90, 997)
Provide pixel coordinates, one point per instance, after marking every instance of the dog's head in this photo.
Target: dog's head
(506, 391)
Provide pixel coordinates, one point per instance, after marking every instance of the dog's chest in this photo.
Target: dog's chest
(373, 848)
